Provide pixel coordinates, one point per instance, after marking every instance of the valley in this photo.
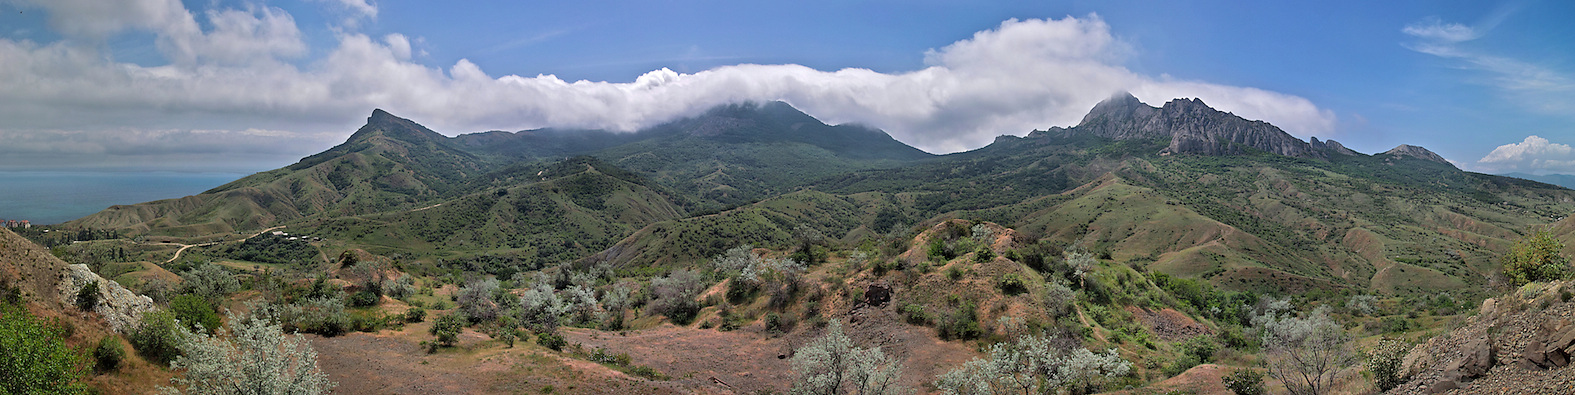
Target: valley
(706, 255)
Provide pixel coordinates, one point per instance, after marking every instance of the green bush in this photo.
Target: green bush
(157, 338)
(1535, 257)
(983, 254)
(551, 340)
(108, 354)
(364, 298)
(962, 324)
(415, 314)
(1245, 382)
(1012, 284)
(87, 297)
(915, 314)
(193, 310)
(1383, 361)
(446, 329)
(35, 358)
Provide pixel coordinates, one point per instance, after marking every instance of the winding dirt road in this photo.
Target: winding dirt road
(183, 247)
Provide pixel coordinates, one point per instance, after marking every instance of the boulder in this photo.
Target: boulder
(120, 307)
(878, 294)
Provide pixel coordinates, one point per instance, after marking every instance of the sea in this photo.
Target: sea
(52, 197)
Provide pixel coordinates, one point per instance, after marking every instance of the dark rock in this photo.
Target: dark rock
(1443, 386)
(1479, 358)
(878, 294)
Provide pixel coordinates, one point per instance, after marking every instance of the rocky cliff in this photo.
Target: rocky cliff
(1193, 128)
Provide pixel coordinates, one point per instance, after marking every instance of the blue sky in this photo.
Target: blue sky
(253, 85)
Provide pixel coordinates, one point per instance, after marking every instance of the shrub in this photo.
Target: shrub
(675, 295)
(540, 308)
(475, 300)
(209, 281)
(35, 357)
(363, 298)
(1244, 382)
(415, 314)
(87, 297)
(831, 364)
(955, 273)
(1033, 364)
(983, 254)
(1058, 299)
(1012, 284)
(1535, 257)
(446, 329)
(256, 358)
(108, 354)
(1384, 360)
(915, 314)
(551, 340)
(963, 323)
(323, 316)
(157, 338)
(195, 312)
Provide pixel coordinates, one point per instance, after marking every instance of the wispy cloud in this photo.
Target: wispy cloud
(1540, 87)
(1018, 76)
(1533, 155)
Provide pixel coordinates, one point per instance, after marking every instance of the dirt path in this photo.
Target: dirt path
(183, 247)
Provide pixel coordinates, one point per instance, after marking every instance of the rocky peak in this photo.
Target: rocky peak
(1412, 151)
(1192, 126)
(388, 125)
(1330, 145)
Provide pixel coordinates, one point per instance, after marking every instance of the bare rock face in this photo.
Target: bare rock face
(878, 294)
(119, 306)
(1411, 151)
(1193, 128)
(1331, 146)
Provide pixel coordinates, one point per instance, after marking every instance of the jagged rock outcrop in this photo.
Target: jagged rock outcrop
(1519, 343)
(1412, 151)
(1331, 146)
(118, 305)
(53, 283)
(1193, 128)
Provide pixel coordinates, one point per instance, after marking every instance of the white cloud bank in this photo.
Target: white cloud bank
(1534, 155)
(242, 73)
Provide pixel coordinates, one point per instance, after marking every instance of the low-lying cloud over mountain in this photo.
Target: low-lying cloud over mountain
(232, 72)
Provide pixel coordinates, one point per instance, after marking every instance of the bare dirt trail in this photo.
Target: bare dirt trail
(183, 247)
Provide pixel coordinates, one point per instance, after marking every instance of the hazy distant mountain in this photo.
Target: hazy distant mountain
(1563, 180)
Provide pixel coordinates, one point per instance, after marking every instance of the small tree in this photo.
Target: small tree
(1081, 263)
(1306, 352)
(831, 365)
(1535, 257)
(257, 358)
(1384, 362)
